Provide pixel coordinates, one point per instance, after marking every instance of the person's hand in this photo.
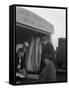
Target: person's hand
(20, 75)
(23, 71)
(32, 76)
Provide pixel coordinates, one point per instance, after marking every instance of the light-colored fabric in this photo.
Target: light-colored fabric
(33, 56)
(36, 53)
(39, 56)
(28, 57)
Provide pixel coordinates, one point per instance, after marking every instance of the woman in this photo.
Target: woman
(48, 71)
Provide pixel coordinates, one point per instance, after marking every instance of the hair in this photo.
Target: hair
(48, 51)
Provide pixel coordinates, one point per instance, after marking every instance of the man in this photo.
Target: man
(48, 71)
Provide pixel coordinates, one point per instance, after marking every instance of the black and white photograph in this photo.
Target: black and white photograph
(39, 44)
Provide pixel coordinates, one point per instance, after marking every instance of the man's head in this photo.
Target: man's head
(48, 51)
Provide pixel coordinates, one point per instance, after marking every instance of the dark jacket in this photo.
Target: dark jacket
(48, 72)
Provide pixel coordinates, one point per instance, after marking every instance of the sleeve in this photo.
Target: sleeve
(48, 74)
(43, 75)
(52, 73)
